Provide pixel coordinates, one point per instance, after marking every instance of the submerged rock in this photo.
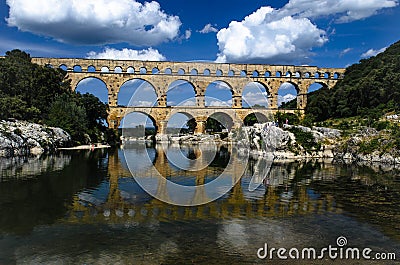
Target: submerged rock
(26, 138)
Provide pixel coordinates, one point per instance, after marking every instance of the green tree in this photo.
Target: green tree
(65, 113)
(34, 85)
(41, 94)
(191, 124)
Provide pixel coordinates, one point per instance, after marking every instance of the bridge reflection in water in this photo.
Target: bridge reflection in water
(284, 192)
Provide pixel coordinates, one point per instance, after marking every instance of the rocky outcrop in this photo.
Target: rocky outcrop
(367, 146)
(24, 138)
(265, 139)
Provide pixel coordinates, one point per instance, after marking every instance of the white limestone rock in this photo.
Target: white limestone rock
(24, 138)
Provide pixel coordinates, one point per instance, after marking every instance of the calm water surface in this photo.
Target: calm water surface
(85, 207)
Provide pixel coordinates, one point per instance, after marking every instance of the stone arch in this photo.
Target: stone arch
(118, 69)
(256, 117)
(177, 122)
(224, 119)
(255, 73)
(105, 69)
(76, 81)
(63, 67)
(91, 69)
(77, 69)
(254, 94)
(218, 72)
(130, 70)
(155, 71)
(181, 92)
(231, 73)
(143, 70)
(88, 85)
(194, 71)
(213, 98)
(168, 71)
(137, 92)
(181, 71)
(267, 74)
(207, 72)
(314, 86)
(131, 119)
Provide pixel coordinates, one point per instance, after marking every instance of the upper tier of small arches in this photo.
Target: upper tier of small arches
(194, 69)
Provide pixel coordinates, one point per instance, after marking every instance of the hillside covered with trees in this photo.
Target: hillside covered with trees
(370, 88)
(40, 94)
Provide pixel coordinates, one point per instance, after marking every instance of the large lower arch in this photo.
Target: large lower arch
(219, 122)
(94, 86)
(181, 123)
(137, 93)
(138, 124)
(181, 93)
(255, 95)
(218, 94)
(257, 117)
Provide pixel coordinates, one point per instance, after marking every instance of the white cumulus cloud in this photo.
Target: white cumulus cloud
(345, 10)
(288, 34)
(188, 34)
(208, 29)
(256, 98)
(372, 52)
(95, 21)
(266, 35)
(285, 98)
(149, 54)
(218, 103)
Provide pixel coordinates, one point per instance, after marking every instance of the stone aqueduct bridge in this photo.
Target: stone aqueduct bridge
(114, 73)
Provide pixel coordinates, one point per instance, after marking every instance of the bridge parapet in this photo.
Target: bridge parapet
(199, 68)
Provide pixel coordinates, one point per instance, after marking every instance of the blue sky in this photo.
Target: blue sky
(329, 35)
(324, 33)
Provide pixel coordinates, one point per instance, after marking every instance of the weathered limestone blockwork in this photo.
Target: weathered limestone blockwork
(114, 73)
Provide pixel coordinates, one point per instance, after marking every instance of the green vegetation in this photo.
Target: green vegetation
(305, 139)
(370, 88)
(292, 119)
(41, 94)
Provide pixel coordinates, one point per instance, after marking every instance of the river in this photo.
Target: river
(84, 207)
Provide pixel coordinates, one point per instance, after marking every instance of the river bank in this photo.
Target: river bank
(365, 145)
(22, 138)
(299, 142)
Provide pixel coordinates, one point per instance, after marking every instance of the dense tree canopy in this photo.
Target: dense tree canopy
(370, 88)
(41, 94)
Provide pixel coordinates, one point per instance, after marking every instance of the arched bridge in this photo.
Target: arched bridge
(114, 73)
